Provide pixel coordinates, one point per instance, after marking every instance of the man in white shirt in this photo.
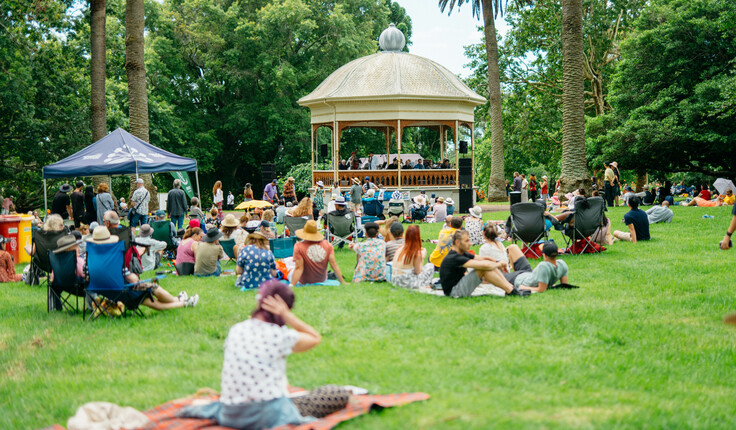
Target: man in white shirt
(139, 204)
(149, 248)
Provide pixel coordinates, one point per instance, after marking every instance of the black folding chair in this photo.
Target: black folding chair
(587, 218)
(527, 224)
(65, 291)
(43, 241)
(125, 235)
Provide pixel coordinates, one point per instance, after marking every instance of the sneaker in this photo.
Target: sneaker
(517, 292)
(183, 296)
(192, 301)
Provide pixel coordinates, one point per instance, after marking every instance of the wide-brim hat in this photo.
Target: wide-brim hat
(291, 179)
(213, 234)
(230, 221)
(145, 230)
(544, 177)
(419, 200)
(356, 181)
(65, 188)
(440, 199)
(340, 200)
(320, 184)
(476, 212)
(257, 235)
(66, 242)
(449, 201)
(309, 232)
(102, 235)
(614, 164)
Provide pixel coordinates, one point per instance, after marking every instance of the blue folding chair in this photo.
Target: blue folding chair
(283, 247)
(105, 268)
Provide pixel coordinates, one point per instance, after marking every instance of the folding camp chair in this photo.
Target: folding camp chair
(43, 241)
(341, 228)
(125, 235)
(228, 246)
(373, 207)
(162, 232)
(418, 214)
(64, 292)
(295, 223)
(396, 208)
(105, 268)
(362, 221)
(527, 224)
(282, 248)
(587, 218)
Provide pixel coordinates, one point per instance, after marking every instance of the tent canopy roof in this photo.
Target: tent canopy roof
(119, 153)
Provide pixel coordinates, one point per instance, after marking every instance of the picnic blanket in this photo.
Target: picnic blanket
(164, 416)
(482, 290)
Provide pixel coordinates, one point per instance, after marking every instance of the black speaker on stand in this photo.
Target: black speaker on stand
(465, 181)
(268, 173)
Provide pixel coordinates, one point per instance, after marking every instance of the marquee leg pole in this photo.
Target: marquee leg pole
(196, 175)
(45, 199)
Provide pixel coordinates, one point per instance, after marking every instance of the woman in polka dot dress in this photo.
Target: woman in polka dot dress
(254, 384)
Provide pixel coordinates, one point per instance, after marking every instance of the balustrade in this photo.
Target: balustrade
(390, 178)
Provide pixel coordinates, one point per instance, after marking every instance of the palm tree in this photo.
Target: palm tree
(135, 70)
(490, 9)
(98, 106)
(574, 166)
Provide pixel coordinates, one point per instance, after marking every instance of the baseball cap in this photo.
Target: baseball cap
(139, 181)
(550, 249)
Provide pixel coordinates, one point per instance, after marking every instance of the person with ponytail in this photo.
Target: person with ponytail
(254, 388)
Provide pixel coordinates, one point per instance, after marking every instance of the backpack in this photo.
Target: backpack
(133, 261)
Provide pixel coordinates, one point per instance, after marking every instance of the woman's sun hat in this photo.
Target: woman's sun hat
(476, 212)
(320, 184)
(309, 232)
(356, 181)
(213, 234)
(102, 235)
(449, 201)
(419, 200)
(230, 221)
(66, 242)
(145, 231)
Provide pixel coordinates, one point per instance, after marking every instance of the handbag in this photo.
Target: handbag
(133, 211)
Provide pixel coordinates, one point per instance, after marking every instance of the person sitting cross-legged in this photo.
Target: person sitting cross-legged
(208, 254)
(254, 382)
(312, 255)
(409, 270)
(660, 213)
(371, 264)
(256, 263)
(151, 255)
(637, 221)
(546, 274)
(161, 299)
(462, 272)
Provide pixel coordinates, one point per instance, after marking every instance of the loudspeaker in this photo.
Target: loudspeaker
(465, 172)
(463, 147)
(514, 197)
(268, 173)
(323, 151)
(466, 200)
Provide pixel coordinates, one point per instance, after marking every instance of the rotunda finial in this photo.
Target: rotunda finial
(392, 39)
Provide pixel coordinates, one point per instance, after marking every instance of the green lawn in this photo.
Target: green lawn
(640, 345)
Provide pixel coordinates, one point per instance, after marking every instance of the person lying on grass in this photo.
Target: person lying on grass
(253, 387)
(546, 274)
(699, 201)
(456, 278)
(161, 299)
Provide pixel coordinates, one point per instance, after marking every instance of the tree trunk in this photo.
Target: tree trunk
(135, 70)
(497, 186)
(98, 65)
(574, 166)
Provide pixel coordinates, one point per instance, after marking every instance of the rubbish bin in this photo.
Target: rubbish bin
(24, 238)
(9, 230)
(514, 197)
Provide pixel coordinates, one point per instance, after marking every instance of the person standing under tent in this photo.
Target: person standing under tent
(77, 199)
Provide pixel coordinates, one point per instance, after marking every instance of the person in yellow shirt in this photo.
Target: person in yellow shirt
(444, 241)
(609, 178)
(729, 197)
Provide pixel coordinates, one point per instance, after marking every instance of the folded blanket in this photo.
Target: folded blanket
(482, 290)
(165, 418)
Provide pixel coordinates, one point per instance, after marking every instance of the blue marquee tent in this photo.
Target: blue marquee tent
(119, 153)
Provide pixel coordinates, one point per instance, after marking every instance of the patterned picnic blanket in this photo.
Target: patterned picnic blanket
(165, 415)
(482, 290)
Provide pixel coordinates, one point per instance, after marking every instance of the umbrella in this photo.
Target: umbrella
(253, 204)
(723, 184)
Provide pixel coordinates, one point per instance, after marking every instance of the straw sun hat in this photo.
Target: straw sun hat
(102, 235)
(309, 232)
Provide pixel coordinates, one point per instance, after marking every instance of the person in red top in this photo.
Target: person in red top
(705, 194)
(7, 265)
(544, 189)
(312, 256)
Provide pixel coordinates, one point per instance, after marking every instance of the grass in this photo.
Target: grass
(640, 345)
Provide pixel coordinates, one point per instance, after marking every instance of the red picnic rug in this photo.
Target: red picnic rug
(165, 415)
